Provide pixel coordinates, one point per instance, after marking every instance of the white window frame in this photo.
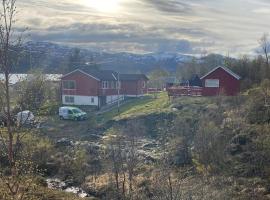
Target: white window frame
(68, 81)
(105, 84)
(92, 100)
(212, 83)
(68, 98)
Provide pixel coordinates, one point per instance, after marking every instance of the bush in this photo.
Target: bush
(49, 108)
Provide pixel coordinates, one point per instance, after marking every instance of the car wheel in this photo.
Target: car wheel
(61, 118)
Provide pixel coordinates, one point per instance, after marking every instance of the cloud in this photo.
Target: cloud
(120, 37)
(169, 6)
(149, 25)
(262, 11)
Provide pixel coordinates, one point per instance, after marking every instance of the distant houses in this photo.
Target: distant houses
(101, 87)
(17, 78)
(219, 81)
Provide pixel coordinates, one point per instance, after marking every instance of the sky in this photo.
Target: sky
(141, 26)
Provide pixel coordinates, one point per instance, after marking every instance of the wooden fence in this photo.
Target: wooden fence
(179, 91)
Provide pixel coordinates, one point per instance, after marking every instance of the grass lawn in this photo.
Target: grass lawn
(136, 107)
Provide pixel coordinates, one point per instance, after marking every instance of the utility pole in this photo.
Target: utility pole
(118, 92)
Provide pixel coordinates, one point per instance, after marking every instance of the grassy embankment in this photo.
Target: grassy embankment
(137, 107)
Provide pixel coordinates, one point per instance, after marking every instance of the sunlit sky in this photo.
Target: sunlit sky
(142, 26)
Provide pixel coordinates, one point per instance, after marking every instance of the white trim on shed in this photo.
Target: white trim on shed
(225, 69)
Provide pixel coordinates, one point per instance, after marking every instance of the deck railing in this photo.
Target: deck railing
(178, 91)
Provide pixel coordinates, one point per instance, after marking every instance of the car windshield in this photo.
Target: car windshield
(76, 111)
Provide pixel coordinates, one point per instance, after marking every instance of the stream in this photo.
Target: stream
(57, 184)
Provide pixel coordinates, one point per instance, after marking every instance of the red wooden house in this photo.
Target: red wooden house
(100, 87)
(220, 80)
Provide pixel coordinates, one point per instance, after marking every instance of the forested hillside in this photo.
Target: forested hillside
(53, 58)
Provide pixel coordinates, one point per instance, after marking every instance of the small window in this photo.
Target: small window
(70, 112)
(92, 100)
(69, 85)
(212, 83)
(69, 99)
(105, 84)
(143, 84)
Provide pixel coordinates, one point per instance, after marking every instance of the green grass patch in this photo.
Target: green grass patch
(136, 107)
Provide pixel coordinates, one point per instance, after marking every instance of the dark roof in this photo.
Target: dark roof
(132, 77)
(109, 75)
(104, 75)
(100, 75)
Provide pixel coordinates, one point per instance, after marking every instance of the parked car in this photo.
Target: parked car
(72, 113)
(25, 118)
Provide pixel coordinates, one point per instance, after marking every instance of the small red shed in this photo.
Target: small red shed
(133, 85)
(220, 80)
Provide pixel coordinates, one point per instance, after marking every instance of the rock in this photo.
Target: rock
(55, 183)
(235, 149)
(150, 159)
(174, 109)
(178, 107)
(150, 146)
(61, 185)
(261, 190)
(246, 191)
(64, 142)
(76, 190)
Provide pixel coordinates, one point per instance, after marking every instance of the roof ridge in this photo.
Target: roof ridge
(225, 69)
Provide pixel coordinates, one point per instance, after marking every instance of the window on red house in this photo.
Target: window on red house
(69, 85)
(105, 84)
(212, 83)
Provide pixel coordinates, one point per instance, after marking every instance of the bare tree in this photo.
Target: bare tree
(132, 130)
(19, 166)
(9, 44)
(265, 46)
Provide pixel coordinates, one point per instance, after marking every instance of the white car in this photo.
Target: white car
(25, 117)
(72, 113)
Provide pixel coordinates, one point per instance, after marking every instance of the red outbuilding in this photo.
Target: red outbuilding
(220, 80)
(133, 85)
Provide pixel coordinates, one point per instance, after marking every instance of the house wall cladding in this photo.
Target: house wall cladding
(82, 100)
(133, 88)
(85, 85)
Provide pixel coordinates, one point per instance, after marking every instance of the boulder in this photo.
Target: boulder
(235, 149)
(149, 146)
(64, 142)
